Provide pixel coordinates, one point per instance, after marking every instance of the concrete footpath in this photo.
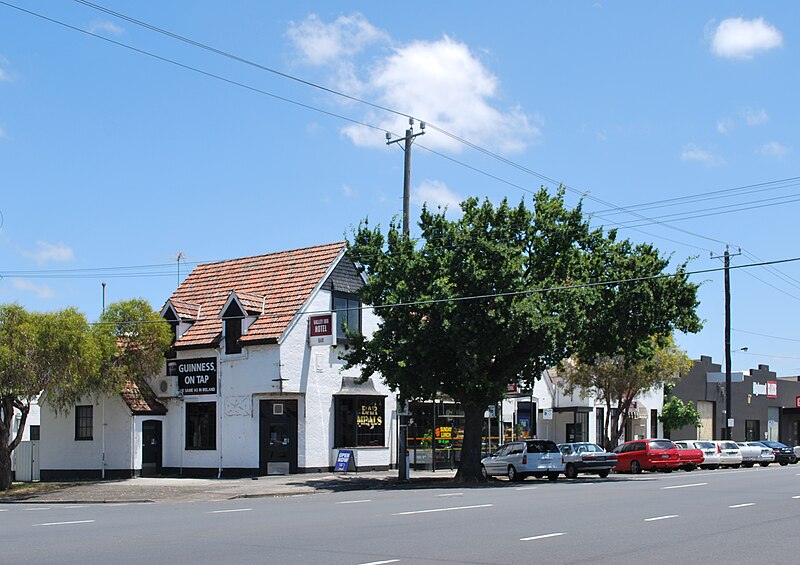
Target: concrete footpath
(180, 489)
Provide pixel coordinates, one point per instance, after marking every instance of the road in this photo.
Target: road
(731, 516)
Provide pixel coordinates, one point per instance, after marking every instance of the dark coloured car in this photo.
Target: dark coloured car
(585, 457)
(647, 455)
(783, 453)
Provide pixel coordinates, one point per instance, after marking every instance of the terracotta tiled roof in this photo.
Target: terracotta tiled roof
(185, 310)
(253, 303)
(286, 279)
(141, 400)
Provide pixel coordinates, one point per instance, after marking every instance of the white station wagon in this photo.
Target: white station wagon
(519, 459)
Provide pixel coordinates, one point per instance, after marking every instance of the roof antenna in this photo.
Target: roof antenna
(178, 259)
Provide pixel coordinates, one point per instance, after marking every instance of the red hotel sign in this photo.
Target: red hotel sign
(321, 329)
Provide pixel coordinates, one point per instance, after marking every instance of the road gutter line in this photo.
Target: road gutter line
(442, 509)
(543, 536)
(667, 517)
(685, 486)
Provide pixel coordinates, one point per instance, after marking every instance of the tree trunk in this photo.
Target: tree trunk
(5, 463)
(469, 468)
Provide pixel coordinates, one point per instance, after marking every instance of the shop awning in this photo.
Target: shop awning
(350, 387)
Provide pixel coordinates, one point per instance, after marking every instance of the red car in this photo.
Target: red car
(648, 455)
(691, 458)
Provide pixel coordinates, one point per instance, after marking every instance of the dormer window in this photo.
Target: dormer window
(348, 314)
(233, 318)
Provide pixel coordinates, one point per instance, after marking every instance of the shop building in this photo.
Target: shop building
(255, 382)
(763, 406)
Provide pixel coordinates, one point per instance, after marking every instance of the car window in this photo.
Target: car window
(704, 445)
(729, 445)
(566, 449)
(542, 447)
(661, 444)
(638, 446)
(503, 451)
(516, 448)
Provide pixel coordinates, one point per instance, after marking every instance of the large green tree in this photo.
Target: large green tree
(475, 304)
(61, 357)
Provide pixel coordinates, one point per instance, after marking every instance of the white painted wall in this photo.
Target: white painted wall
(59, 450)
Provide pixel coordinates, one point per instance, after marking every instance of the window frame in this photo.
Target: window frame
(346, 430)
(84, 422)
(194, 413)
(352, 308)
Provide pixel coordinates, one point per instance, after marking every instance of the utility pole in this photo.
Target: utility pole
(403, 467)
(409, 137)
(728, 414)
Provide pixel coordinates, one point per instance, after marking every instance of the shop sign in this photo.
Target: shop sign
(321, 329)
(197, 376)
(772, 389)
(759, 389)
(797, 401)
(344, 461)
(547, 414)
(369, 415)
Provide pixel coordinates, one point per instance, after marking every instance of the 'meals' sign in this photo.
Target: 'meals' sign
(197, 376)
(321, 329)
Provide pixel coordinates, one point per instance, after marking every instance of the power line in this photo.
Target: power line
(766, 335)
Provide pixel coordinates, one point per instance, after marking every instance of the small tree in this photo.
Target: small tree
(676, 413)
(59, 356)
(618, 382)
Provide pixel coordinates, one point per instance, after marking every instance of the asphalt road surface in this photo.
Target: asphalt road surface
(733, 516)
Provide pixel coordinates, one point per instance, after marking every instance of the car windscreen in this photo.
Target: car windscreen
(705, 445)
(588, 448)
(542, 447)
(729, 445)
(661, 444)
(774, 444)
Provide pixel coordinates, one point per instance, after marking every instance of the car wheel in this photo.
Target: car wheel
(513, 476)
(765, 464)
(570, 472)
(667, 470)
(636, 467)
(603, 474)
(793, 459)
(484, 474)
(748, 465)
(538, 475)
(784, 463)
(552, 477)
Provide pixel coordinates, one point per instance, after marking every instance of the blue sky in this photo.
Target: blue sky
(113, 162)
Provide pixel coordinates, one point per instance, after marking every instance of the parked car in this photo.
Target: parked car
(783, 453)
(711, 458)
(691, 456)
(519, 459)
(648, 455)
(755, 452)
(585, 457)
(729, 453)
(797, 451)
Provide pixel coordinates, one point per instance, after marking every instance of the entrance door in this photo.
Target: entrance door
(151, 447)
(278, 437)
(706, 430)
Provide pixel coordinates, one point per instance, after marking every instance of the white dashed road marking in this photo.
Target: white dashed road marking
(381, 562)
(228, 511)
(65, 523)
(442, 509)
(543, 536)
(667, 517)
(742, 505)
(353, 501)
(685, 486)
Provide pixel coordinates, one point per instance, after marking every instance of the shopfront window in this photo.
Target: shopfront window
(359, 421)
(201, 425)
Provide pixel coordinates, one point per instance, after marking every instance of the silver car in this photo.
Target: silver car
(755, 452)
(585, 457)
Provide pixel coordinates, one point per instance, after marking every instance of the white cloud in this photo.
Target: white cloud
(436, 194)
(41, 290)
(441, 81)
(2, 133)
(347, 191)
(692, 152)
(737, 38)
(754, 116)
(4, 76)
(773, 149)
(106, 27)
(46, 252)
(725, 125)
(321, 43)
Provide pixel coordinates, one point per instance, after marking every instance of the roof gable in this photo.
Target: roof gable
(277, 284)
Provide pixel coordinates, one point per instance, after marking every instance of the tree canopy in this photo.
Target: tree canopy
(61, 356)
